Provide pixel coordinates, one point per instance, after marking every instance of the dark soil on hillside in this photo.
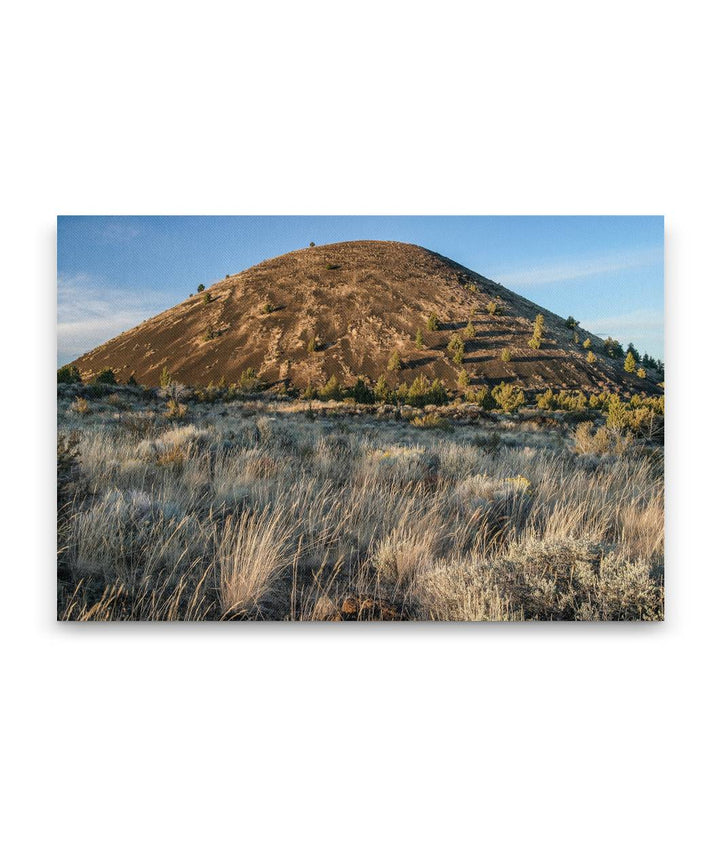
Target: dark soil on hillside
(359, 301)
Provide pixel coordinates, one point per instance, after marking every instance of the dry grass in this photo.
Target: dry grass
(601, 441)
(252, 551)
(80, 406)
(253, 511)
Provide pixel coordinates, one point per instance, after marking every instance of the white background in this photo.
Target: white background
(369, 739)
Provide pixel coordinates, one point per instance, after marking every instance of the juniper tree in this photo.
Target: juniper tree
(613, 348)
(437, 394)
(394, 363)
(382, 390)
(401, 393)
(418, 391)
(508, 398)
(482, 396)
(422, 392)
(419, 341)
(248, 380)
(309, 393)
(165, 377)
(545, 400)
(456, 348)
(331, 391)
(432, 322)
(630, 363)
(361, 392)
(107, 375)
(538, 331)
(68, 374)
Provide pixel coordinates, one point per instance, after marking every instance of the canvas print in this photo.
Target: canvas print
(360, 419)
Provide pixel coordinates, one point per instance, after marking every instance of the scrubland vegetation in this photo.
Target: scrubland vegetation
(376, 503)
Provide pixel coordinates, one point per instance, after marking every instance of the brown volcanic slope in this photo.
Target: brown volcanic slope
(362, 300)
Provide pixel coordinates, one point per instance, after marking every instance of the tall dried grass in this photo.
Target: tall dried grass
(253, 549)
(255, 512)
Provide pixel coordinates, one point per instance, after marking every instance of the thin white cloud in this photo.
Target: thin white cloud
(118, 232)
(90, 311)
(638, 320)
(568, 271)
(644, 327)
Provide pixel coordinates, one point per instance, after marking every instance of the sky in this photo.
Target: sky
(114, 272)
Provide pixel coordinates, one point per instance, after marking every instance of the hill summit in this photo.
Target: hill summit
(360, 309)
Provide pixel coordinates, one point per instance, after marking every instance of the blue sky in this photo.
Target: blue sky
(114, 272)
